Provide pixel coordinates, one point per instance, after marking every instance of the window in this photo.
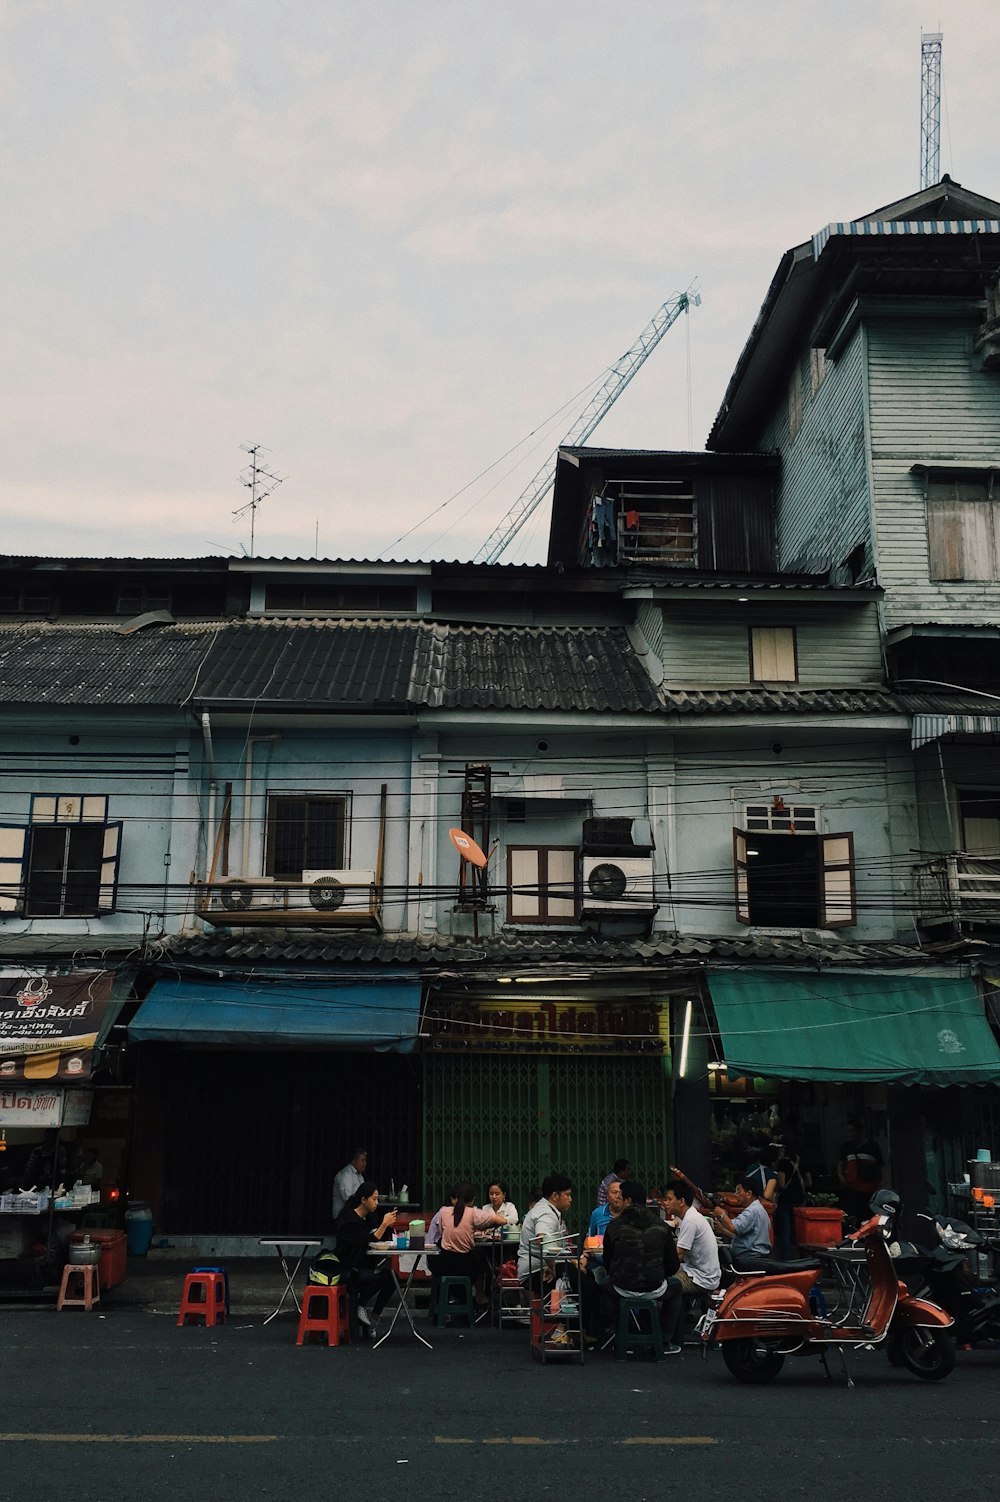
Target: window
(28, 601)
(773, 657)
(980, 813)
(790, 876)
(64, 864)
(656, 521)
(136, 599)
(339, 599)
(305, 832)
(963, 528)
(541, 884)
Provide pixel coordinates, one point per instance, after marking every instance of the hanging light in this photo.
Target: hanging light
(685, 1039)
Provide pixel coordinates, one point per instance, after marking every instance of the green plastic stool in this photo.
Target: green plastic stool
(631, 1336)
(464, 1306)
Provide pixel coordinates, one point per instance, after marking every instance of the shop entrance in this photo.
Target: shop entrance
(524, 1116)
(252, 1141)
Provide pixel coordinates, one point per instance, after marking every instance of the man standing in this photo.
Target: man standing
(859, 1171)
(639, 1259)
(622, 1169)
(350, 1178)
(697, 1250)
(604, 1214)
(750, 1229)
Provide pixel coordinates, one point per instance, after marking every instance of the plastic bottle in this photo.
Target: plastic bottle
(404, 1195)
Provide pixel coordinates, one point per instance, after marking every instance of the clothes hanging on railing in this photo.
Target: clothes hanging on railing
(602, 531)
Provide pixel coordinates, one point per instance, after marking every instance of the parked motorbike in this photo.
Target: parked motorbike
(942, 1266)
(765, 1317)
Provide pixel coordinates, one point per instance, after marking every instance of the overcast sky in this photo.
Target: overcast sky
(388, 239)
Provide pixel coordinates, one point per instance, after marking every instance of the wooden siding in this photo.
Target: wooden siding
(735, 517)
(823, 511)
(929, 404)
(837, 646)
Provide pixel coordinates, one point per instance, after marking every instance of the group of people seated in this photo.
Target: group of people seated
(665, 1251)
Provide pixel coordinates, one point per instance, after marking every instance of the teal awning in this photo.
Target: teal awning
(890, 1028)
(258, 1013)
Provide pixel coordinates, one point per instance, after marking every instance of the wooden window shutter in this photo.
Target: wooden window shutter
(13, 847)
(524, 902)
(741, 875)
(110, 856)
(838, 904)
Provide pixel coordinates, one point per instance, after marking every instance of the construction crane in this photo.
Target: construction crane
(930, 108)
(599, 405)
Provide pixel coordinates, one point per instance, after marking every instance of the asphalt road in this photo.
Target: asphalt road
(126, 1405)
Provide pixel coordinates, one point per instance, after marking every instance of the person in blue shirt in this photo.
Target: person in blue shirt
(612, 1207)
(749, 1229)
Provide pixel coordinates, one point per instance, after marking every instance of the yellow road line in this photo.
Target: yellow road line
(141, 1439)
(669, 1439)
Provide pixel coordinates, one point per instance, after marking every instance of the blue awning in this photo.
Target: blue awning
(258, 1013)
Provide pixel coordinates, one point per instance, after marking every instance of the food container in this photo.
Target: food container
(84, 1253)
(112, 1253)
(818, 1225)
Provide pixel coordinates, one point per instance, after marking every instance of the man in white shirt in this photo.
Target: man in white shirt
(350, 1178)
(544, 1219)
(697, 1249)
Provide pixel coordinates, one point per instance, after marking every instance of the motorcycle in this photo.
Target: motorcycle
(941, 1267)
(764, 1317)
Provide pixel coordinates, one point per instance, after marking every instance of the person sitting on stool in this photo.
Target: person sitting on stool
(749, 1230)
(639, 1260)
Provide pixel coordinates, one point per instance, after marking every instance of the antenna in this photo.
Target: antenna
(930, 107)
(259, 481)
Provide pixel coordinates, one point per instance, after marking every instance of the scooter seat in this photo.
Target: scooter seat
(771, 1265)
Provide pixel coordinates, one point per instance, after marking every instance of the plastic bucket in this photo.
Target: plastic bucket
(138, 1229)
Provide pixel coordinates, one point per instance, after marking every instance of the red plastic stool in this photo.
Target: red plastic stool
(333, 1322)
(204, 1297)
(90, 1287)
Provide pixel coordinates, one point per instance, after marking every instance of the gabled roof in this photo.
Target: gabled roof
(959, 228)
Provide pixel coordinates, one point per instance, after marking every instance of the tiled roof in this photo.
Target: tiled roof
(781, 701)
(335, 664)
(675, 951)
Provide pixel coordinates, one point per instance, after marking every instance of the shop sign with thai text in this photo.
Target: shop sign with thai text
(25, 1106)
(549, 1027)
(49, 1025)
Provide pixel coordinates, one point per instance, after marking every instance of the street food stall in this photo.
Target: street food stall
(51, 1028)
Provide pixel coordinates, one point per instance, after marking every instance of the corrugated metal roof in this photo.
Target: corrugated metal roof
(674, 950)
(327, 664)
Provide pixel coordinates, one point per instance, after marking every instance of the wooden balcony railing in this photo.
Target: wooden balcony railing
(958, 889)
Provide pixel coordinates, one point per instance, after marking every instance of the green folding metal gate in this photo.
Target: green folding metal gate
(523, 1116)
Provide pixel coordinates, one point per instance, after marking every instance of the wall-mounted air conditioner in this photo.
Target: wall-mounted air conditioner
(245, 894)
(334, 891)
(620, 884)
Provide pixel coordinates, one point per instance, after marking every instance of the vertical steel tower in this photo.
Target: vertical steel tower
(930, 108)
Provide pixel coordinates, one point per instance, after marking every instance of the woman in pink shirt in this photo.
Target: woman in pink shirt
(459, 1223)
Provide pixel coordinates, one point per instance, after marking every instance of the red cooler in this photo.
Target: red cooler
(112, 1264)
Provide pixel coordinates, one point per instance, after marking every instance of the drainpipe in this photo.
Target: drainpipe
(210, 834)
(252, 740)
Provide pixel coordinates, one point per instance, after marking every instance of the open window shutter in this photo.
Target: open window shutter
(524, 882)
(13, 847)
(741, 875)
(560, 879)
(109, 867)
(839, 907)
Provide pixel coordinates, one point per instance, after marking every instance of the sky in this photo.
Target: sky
(388, 240)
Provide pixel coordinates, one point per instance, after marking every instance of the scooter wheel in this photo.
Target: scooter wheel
(749, 1361)
(929, 1354)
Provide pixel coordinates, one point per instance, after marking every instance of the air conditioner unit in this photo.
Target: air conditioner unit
(245, 894)
(334, 891)
(621, 884)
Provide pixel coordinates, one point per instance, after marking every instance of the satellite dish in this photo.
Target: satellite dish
(467, 847)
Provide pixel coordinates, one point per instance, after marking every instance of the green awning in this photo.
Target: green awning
(890, 1028)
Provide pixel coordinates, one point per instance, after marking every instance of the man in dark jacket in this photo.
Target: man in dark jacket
(639, 1257)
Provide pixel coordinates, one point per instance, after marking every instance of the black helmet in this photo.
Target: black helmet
(886, 1202)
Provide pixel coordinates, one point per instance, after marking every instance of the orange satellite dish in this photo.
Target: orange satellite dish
(467, 847)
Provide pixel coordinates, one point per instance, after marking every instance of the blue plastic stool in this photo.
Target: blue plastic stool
(225, 1280)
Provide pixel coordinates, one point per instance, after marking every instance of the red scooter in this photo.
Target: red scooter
(765, 1317)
